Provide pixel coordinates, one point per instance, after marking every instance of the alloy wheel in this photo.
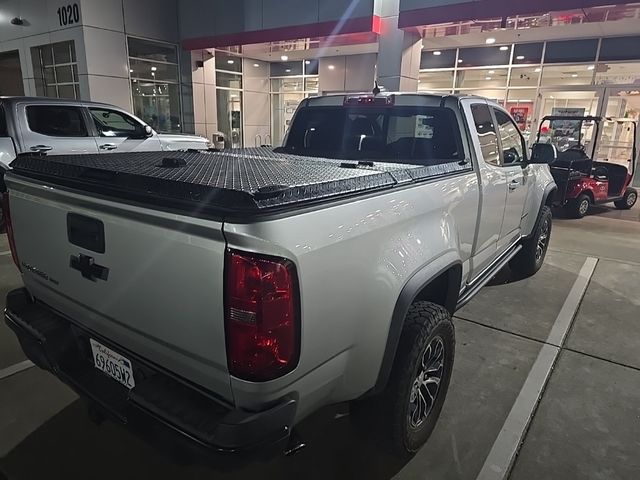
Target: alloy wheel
(426, 385)
(584, 207)
(543, 240)
(631, 199)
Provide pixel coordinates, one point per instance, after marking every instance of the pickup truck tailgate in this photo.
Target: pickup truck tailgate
(156, 285)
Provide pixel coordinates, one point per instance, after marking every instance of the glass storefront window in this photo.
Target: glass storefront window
(438, 59)
(225, 61)
(519, 104)
(567, 75)
(482, 78)
(295, 84)
(311, 84)
(620, 48)
(527, 53)
(311, 67)
(55, 70)
(438, 79)
(229, 116)
(154, 51)
(150, 70)
(617, 73)
(525, 76)
(157, 104)
(229, 80)
(481, 56)
(286, 69)
(571, 51)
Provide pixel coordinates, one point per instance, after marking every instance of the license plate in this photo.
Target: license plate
(112, 363)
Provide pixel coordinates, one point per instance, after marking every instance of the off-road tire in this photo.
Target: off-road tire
(575, 208)
(628, 200)
(529, 260)
(425, 323)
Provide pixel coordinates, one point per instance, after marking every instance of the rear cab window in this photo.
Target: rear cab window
(416, 135)
(56, 120)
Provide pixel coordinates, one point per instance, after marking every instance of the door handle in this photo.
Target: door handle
(108, 146)
(514, 184)
(41, 148)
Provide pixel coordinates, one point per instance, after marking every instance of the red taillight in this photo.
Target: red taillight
(261, 316)
(6, 213)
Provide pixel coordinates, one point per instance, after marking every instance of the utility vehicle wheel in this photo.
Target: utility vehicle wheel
(529, 260)
(628, 200)
(579, 207)
(419, 380)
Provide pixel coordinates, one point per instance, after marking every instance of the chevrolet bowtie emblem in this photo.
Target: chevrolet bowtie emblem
(86, 266)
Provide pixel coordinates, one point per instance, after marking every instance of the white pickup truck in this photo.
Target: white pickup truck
(60, 126)
(222, 297)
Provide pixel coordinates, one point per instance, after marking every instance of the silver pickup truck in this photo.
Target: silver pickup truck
(60, 126)
(223, 297)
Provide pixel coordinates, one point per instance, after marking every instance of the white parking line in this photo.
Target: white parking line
(16, 368)
(500, 459)
(8, 252)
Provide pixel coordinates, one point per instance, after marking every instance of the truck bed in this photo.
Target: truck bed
(242, 181)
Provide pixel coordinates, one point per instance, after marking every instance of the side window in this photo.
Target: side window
(111, 123)
(513, 146)
(486, 133)
(56, 121)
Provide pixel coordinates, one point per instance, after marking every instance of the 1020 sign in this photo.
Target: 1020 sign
(68, 15)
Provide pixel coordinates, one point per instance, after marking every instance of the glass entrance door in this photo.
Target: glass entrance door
(617, 138)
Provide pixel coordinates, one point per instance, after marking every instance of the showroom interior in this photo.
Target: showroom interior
(236, 73)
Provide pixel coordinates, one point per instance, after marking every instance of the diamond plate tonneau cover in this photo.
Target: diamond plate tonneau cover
(241, 180)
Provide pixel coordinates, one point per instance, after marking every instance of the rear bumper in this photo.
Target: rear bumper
(167, 411)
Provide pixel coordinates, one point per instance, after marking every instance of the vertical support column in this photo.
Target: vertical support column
(398, 50)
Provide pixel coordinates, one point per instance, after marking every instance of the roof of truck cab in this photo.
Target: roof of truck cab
(339, 97)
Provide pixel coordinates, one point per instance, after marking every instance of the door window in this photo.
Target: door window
(513, 146)
(486, 133)
(56, 121)
(111, 123)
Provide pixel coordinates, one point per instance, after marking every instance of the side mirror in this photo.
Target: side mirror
(510, 157)
(142, 132)
(543, 153)
(148, 131)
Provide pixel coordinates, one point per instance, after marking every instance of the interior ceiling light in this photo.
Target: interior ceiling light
(284, 58)
(437, 52)
(459, 60)
(256, 65)
(491, 72)
(520, 57)
(490, 41)
(574, 75)
(307, 62)
(131, 70)
(331, 67)
(288, 70)
(230, 62)
(504, 48)
(487, 78)
(153, 69)
(538, 70)
(591, 67)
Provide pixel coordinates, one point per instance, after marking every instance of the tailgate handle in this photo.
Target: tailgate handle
(85, 232)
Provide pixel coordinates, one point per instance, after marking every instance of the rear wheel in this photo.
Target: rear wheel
(579, 207)
(628, 200)
(405, 413)
(529, 260)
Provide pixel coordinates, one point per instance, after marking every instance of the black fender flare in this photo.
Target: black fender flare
(549, 190)
(421, 279)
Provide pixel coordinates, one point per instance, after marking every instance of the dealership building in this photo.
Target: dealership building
(241, 68)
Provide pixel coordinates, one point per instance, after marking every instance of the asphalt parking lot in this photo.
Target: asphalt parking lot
(586, 422)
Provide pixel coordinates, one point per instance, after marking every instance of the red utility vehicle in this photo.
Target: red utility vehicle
(592, 160)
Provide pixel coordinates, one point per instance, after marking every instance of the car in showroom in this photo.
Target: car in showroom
(592, 160)
(217, 299)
